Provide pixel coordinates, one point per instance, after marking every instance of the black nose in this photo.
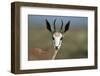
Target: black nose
(56, 48)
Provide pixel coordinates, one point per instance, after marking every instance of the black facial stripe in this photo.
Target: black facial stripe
(53, 38)
(61, 38)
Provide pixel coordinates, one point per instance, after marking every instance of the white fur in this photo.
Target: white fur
(57, 39)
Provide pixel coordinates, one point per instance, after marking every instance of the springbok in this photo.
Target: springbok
(57, 36)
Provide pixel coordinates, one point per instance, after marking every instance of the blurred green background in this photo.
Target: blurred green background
(74, 45)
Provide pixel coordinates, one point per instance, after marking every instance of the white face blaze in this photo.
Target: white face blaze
(57, 40)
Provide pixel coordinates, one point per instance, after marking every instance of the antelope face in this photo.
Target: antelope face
(57, 36)
(57, 40)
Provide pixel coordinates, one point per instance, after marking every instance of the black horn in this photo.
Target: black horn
(61, 26)
(54, 25)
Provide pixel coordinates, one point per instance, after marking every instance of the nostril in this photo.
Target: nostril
(56, 48)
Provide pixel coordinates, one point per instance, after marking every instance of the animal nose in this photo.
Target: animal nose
(56, 48)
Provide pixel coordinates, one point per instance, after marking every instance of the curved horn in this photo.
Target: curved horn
(55, 25)
(61, 26)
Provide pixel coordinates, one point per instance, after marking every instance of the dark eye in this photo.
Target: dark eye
(53, 38)
(61, 38)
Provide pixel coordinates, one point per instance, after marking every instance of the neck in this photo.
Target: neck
(52, 51)
(55, 54)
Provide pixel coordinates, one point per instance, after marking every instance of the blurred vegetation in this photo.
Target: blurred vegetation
(74, 44)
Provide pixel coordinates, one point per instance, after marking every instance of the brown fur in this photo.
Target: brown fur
(40, 54)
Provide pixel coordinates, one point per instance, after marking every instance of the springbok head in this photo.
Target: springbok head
(57, 36)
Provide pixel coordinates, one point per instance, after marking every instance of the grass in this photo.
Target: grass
(74, 43)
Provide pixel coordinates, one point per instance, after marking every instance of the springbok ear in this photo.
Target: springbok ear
(48, 26)
(67, 26)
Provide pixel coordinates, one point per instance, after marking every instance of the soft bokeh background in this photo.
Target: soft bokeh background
(75, 42)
